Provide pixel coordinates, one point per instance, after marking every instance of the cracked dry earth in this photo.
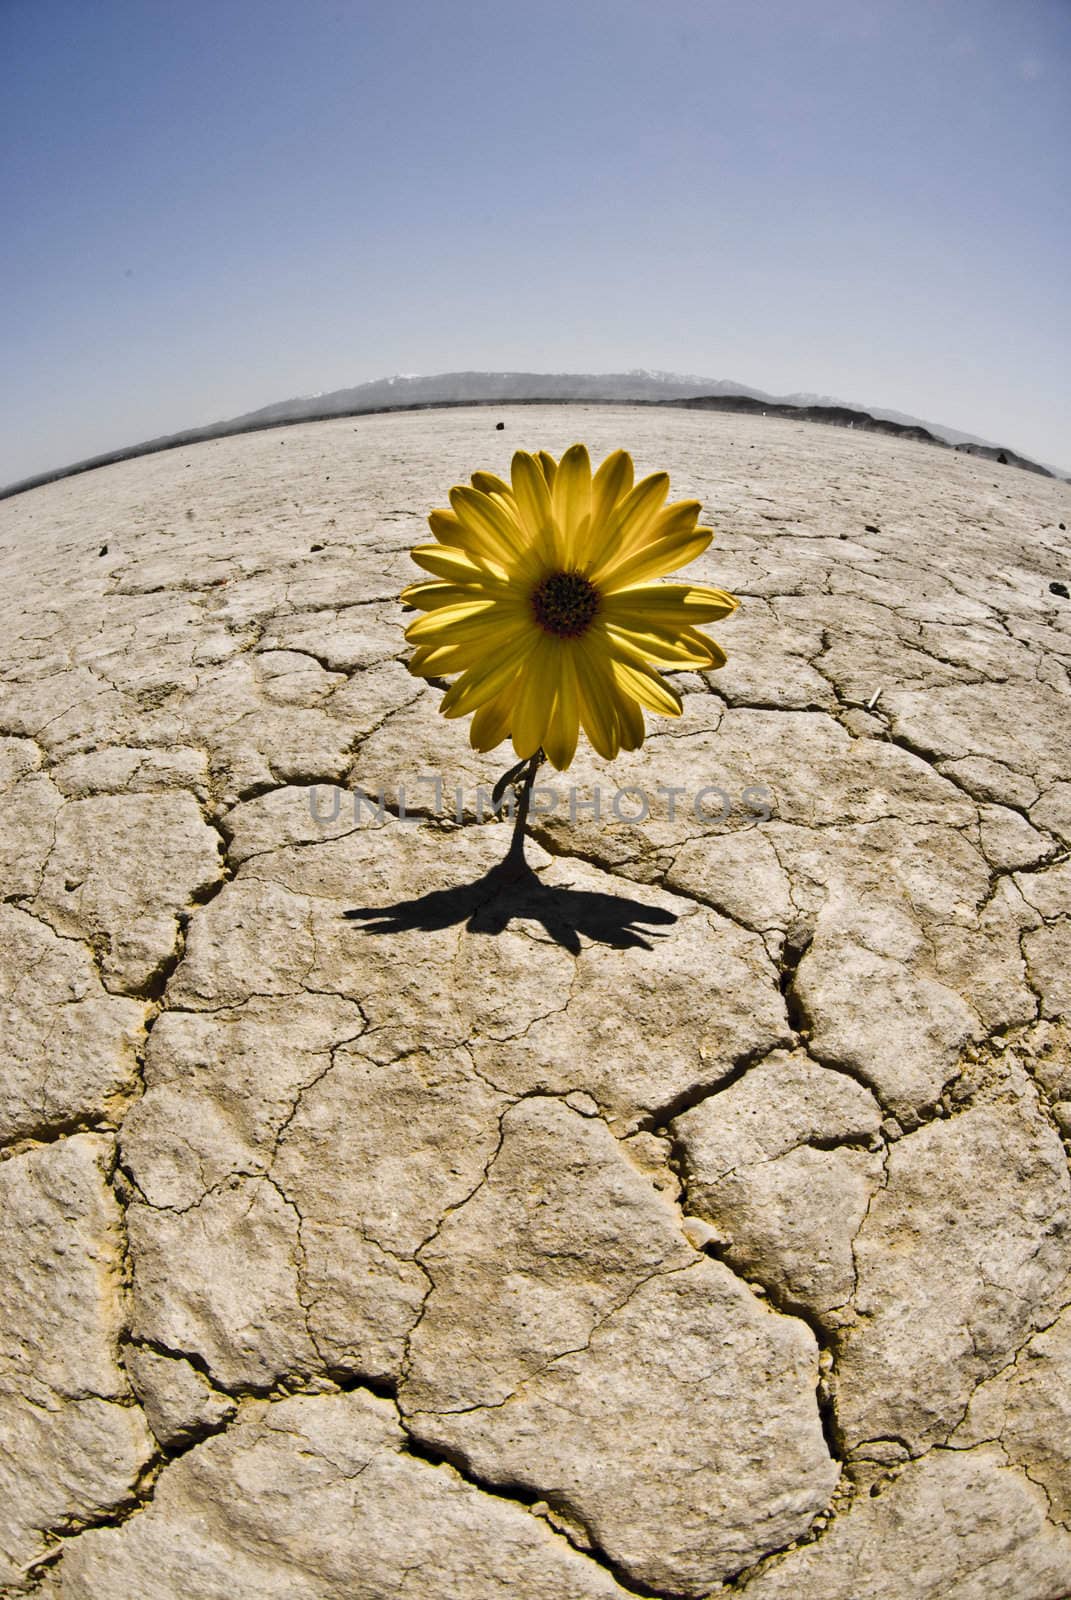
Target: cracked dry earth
(697, 1224)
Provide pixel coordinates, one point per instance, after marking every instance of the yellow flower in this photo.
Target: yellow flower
(543, 604)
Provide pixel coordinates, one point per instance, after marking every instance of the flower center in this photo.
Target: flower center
(565, 603)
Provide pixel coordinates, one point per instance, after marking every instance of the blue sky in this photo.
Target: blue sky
(210, 205)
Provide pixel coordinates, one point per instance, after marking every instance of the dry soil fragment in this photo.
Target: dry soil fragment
(952, 1527)
(786, 1211)
(121, 869)
(315, 1497)
(72, 1441)
(960, 1256)
(569, 1317)
(69, 1046)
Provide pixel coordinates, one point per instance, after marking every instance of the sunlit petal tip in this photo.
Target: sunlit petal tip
(617, 465)
(657, 482)
(490, 723)
(611, 483)
(444, 525)
(529, 482)
(633, 728)
(572, 482)
(704, 594)
(549, 466)
(452, 564)
(491, 483)
(559, 752)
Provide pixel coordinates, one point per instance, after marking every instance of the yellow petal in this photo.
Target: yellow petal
(491, 483)
(454, 535)
(455, 565)
(630, 720)
(671, 522)
(627, 523)
(563, 724)
(455, 624)
(534, 507)
(473, 640)
(433, 596)
(623, 644)
(439, 660)
(667, 605)
(488, 524)
(421, 663)
(610, 484)
(653, 560)
(446, 528)
(648, 688)
(597, 696)
(720, 658)
(683, 649)
(534, 701)
(487, 678)
(549, 466)
(571, 499)
(490, 724)
(681, 517)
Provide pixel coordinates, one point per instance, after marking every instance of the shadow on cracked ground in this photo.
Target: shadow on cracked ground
(511, 890)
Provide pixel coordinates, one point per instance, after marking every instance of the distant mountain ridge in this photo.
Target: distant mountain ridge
(456, 388)
(638, 387)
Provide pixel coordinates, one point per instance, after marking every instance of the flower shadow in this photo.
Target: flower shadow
(512, 890)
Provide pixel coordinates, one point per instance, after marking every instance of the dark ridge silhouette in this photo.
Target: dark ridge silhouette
(834, 416)
(1005, 457)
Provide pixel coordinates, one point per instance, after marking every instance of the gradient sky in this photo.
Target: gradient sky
(209, 205)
